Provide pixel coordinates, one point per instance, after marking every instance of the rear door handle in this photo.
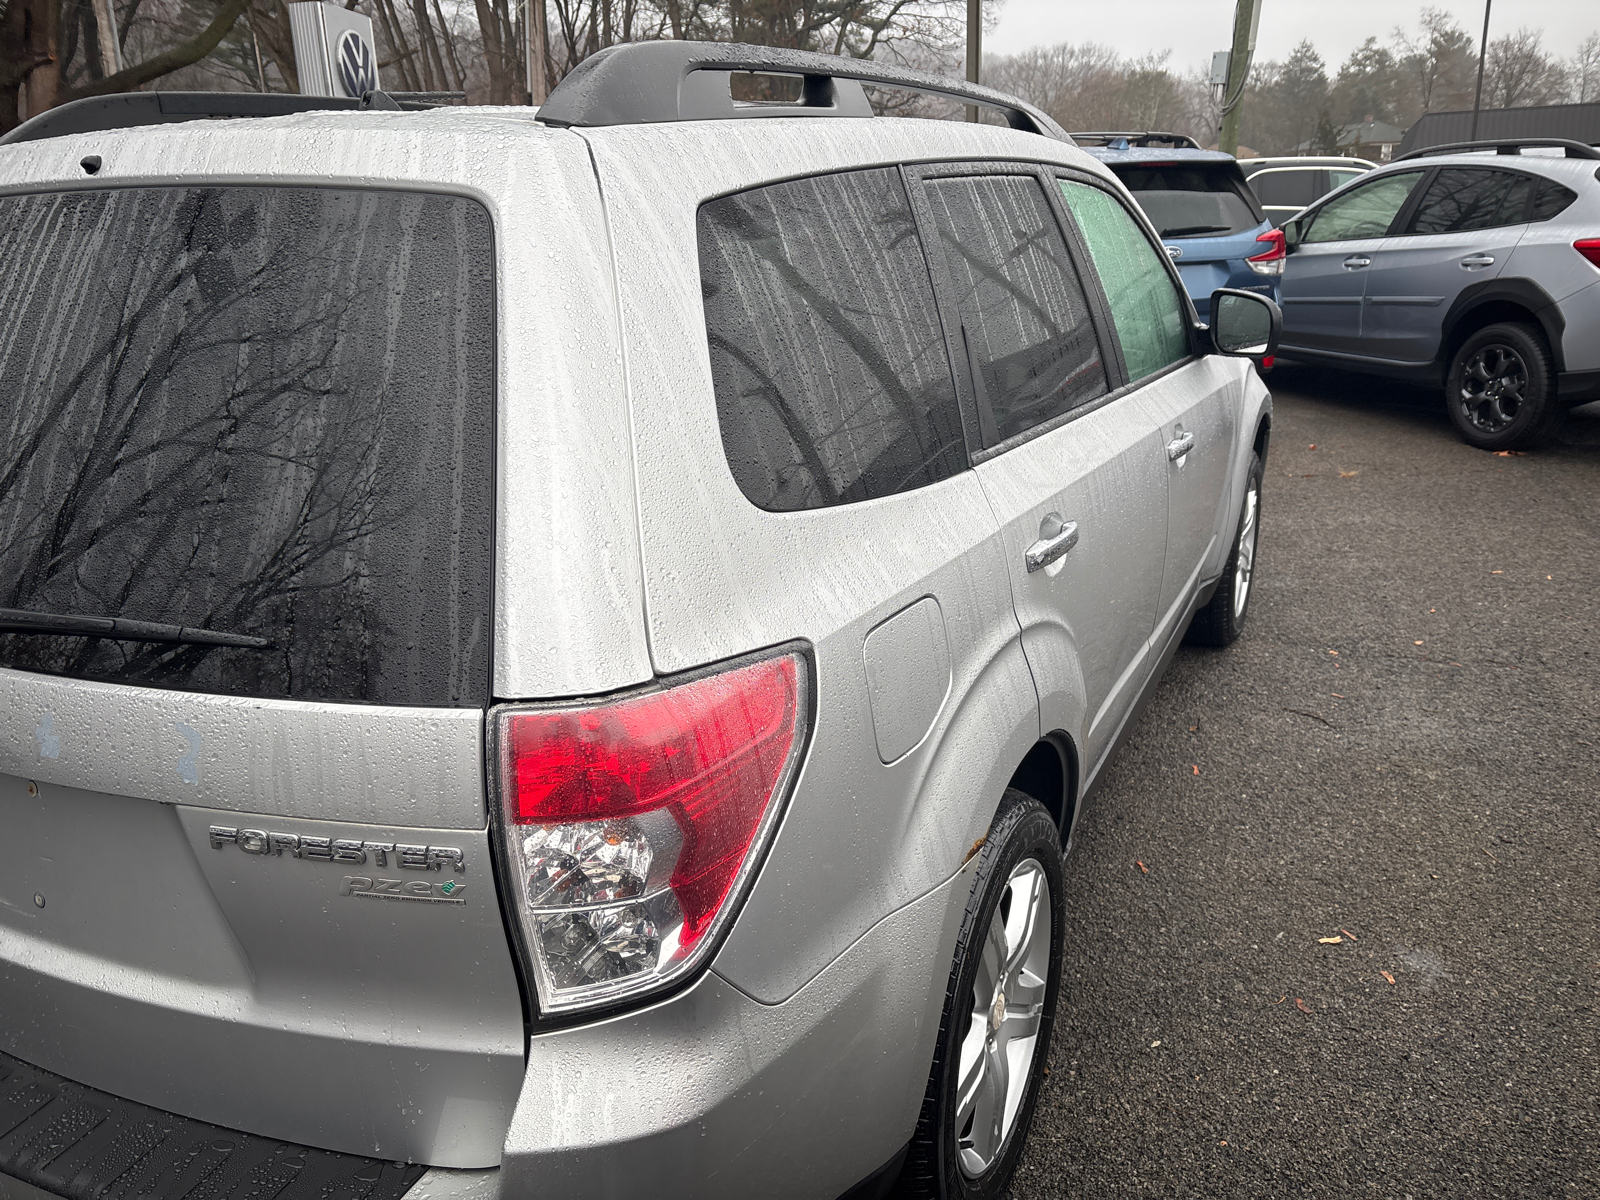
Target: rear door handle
(1356, 261)
(1478, 260)
(1179, 446)
(1056, 537)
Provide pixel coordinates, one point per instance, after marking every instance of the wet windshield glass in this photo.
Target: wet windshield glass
(1191, 199)
(260, 411)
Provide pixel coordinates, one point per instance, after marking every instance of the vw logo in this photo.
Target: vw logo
(357, 70)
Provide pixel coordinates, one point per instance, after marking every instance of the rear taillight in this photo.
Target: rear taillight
(631, 828)
(1589, 248)
(1270, 262)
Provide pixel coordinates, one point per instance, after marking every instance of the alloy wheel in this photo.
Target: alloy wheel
(1245, 561)
(1492, 388)
(1007, 1005)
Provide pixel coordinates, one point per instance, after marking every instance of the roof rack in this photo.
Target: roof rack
(648, 82)
(1178, 141)
(130, 109)
(1506, 146)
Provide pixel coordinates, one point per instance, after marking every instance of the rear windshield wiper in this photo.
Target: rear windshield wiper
(15, 620)
(1180, 230)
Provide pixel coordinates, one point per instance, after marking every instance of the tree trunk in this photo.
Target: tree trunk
(183, 55)
(30, 70)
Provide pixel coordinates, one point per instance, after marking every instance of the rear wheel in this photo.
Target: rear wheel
(999, 1009)
(1500, 389)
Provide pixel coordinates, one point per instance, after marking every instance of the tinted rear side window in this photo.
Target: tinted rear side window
(1192, 199)
(1283, 188)
(832, 379)
(1550, 199)
(263, 411)
(1466, 198)
(1023, 313)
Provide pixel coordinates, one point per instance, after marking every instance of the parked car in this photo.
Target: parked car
(1286, 185)
(1475, 266)
(561, 656)
(1201, 206)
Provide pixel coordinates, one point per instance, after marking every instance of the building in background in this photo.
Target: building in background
(1579, 122)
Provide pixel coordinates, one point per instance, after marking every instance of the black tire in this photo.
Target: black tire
(1022, 833)
(1222, 620)
(1500, 390)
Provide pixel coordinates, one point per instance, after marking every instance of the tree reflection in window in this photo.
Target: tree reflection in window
(265, 411)
(832, 379)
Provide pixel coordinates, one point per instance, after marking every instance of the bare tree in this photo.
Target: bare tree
(1583, 71)
(1518, 73)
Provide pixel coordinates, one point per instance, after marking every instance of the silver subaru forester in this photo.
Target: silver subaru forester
(560, 655)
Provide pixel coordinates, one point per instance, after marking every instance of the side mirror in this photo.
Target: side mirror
(1291, 235)
(1244, 323)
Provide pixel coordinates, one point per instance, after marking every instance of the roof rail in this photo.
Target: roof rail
(1147, 138)
(1506, 146)
(130, 109)
(645, 82)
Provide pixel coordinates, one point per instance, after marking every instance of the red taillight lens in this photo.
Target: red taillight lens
(1270, 260)
(631, 824)
(1589, 248)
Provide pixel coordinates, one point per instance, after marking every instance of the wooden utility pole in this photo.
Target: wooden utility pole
(1246, 16)
(974, 49)
(536, 30)
(1483, 50)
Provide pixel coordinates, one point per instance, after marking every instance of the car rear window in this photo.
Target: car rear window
(264, 412)
(1192, 199)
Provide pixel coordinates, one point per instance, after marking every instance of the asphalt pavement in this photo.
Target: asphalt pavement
(1334, 915)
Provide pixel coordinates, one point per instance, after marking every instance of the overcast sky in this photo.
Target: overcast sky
(1192, 29)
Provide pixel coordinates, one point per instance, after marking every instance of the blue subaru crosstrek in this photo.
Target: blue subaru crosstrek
(1198, 200)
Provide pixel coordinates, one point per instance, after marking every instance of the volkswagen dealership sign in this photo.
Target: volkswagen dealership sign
(333, 50)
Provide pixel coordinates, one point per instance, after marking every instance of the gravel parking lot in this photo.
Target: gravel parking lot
(1402, 754)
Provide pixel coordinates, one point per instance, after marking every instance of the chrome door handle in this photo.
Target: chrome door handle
(1356, 261)
(1179, 446)
(1056, 537)
(1478, 260)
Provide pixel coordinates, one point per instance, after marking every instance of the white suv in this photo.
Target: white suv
(561, 656)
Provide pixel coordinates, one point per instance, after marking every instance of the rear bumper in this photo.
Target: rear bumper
(712, 1093)
(71, 1140)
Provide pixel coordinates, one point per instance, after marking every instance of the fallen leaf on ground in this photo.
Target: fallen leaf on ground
(1285, 996)
(1222, 1143)
(1335, 653)
(1302, 1006)
(1336, 694)
(1416, 643)
(1141, 866)
(1197, 768)
(1550, 577)
(1333, 941)
(1509, 453)
(1497, 572)
(1348, 474)
(1387, 976)
(1313, 446)
(1348, 934)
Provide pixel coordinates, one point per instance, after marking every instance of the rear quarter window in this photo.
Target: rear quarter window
(832, 379)
(262, 411)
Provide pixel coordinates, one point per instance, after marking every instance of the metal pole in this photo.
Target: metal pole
(1245, 19)
(974, 49)
(1483, 50)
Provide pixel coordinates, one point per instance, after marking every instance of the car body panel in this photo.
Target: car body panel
(1086, 618)
(139, 957)
(1414, 278)
(712, 1094)
(1324, 286)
